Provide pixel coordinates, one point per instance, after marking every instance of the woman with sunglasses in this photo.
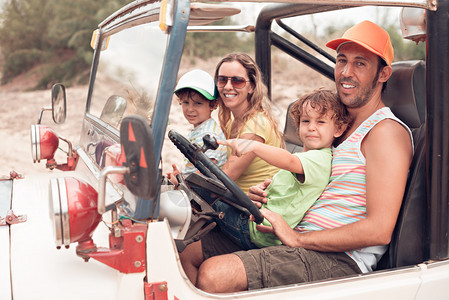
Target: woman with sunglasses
(244, 112)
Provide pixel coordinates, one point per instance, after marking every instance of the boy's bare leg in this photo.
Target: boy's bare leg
(191, 259)
(222, 274)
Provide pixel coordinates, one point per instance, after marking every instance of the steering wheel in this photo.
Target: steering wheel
(205, 165)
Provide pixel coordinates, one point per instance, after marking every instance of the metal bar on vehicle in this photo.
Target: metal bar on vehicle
(264, 34)
(437, 134)
(427, 4)
(298, 53)
(150, 209)
(305, 40)
(101, 200)
(124, 10)
(224, 28)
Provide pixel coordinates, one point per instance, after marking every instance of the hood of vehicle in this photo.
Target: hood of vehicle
(38, 269)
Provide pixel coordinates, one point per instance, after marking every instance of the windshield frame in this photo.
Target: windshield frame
(124, 19)
(94, 126)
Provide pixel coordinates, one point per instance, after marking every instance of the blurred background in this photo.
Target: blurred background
(43, 42)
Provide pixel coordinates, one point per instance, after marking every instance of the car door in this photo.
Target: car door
(5, 274)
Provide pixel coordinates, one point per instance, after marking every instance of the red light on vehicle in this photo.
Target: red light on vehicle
(44, 142)
(73, 208)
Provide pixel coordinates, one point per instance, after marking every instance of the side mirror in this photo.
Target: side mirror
(137, 142)
(44, 141)
(137, 156)
(58, 103)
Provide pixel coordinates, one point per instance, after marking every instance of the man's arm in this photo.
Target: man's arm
(275, 156)
(388, 152)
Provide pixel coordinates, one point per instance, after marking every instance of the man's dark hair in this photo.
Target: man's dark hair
(380, 67)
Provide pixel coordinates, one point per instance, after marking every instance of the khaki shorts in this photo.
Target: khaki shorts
(281, 265)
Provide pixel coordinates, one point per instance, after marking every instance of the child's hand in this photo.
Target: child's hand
(172, 175)
(239, 146)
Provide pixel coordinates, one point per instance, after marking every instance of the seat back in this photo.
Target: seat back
(405, 95)
(292, 142)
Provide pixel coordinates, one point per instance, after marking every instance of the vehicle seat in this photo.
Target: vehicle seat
(405, 95)
(292, 142)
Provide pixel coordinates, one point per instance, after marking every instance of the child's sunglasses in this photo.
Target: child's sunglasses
(236, 81)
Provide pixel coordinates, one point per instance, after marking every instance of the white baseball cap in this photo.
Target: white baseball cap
(199, 81)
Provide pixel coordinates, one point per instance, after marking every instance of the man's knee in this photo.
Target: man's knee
(222, 274)
(191, 258)
(192, 255)
(207, 277)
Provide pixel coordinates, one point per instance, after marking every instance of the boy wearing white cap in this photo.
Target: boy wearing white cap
(196, 94)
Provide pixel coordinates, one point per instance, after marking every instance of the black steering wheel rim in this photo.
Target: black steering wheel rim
(206, 166)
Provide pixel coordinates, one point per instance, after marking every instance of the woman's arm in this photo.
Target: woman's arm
(237, 164)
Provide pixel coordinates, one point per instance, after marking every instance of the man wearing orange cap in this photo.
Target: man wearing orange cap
(346, 231)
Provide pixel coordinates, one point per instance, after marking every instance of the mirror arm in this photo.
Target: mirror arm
(39, 119)
(102, 185)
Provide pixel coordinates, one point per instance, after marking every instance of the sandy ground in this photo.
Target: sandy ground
(20, 108)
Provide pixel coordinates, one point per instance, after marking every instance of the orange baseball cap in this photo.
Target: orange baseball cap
(370, 36)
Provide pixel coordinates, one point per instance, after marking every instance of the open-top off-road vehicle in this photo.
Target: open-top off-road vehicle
(108, 199)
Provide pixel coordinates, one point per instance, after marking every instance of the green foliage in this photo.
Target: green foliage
(21, 60)
(55, 33)
(70, 71)
(404, 49)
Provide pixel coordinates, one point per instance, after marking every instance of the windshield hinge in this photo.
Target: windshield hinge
(11, 219)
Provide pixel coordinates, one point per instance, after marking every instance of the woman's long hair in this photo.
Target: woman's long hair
(258, 100)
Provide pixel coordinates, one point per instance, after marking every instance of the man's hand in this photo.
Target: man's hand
(279, 227)
(239, 146)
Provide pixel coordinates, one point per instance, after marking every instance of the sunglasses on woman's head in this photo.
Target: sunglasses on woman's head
(236, 81)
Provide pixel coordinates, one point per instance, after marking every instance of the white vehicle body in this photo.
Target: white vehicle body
(33, 268)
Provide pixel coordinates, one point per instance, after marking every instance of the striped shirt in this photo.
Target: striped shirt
(344, 199)
(196, 136)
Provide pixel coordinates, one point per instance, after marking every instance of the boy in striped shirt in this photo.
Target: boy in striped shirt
(197, 95)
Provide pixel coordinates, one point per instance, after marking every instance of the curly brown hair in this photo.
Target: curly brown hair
(323, 101)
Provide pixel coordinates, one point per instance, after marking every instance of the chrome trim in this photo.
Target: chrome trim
(35, 143)
(39, 119)
(435, 263)
(102, 185)
(55, 211)
(88, 162)
(93, 174)
(131, 9)
(65, 217)
(102, 126)
(427, 4)
(69, 145)
(225, 28)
